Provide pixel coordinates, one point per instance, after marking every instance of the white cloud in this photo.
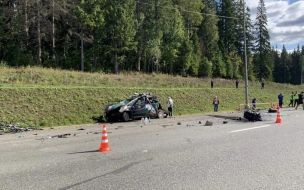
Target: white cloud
(285, 21)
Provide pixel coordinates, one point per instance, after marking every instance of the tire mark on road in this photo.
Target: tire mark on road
(115, 172)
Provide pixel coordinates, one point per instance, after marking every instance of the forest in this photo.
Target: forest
(197, 38)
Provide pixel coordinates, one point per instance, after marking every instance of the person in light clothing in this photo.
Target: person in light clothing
(170, 106)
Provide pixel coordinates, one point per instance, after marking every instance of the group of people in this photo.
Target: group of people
(296, 99)
(216, 103)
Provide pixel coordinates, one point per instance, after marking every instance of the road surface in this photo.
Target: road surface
(173, 153)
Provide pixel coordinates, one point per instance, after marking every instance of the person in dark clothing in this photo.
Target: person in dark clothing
(211, 83)
(254, 102)
(296, 99)
(300, 101)
(281, 98)
(237, 84)
(262, 85)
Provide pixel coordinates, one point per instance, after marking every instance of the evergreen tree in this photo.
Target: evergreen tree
(226, 25)
(120, 29)
(285, 63)
(173, 37)
(190, 11)
(208, 31)
(277, 67)
(2, 32)
(262, 57)
(295, 67)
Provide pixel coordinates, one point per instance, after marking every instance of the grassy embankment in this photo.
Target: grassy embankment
(50, 97)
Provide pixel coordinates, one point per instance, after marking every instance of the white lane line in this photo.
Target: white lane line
(249, 128)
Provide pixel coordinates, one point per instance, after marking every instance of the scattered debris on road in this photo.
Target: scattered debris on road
(208, 123)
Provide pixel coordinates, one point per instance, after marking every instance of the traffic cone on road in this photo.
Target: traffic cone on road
(279, 119)
(104, 145)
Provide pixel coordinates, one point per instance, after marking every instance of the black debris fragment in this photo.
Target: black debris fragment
(208, 123)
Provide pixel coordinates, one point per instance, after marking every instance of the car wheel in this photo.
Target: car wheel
(161, 114)
(125, 116)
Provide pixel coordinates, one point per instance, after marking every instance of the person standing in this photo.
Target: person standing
(211, 83)
(170, 106)
(291, 100)
(296, 98)
(281, 98)
(300, 100)
(237, 84)
(216, 103)
(262, 85)
(254, 103)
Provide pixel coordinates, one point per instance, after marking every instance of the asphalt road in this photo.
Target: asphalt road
(161, 155)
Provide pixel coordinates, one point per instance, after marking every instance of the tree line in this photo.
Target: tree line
(199, 38)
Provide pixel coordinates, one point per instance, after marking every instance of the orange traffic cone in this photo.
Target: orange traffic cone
(279, 119)
(104, 145)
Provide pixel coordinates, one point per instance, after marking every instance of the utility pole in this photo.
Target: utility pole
(245, 59)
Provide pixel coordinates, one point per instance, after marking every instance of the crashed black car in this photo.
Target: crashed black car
(138, 106)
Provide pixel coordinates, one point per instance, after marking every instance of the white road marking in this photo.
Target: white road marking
(249, 128)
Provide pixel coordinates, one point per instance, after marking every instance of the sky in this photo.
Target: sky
(285, 22)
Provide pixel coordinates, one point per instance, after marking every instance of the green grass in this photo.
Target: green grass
(52, 97)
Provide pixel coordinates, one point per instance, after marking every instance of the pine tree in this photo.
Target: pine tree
(120, 29)
(285, 63)
(208, 31)
(277, 68)
(226, 25)
(295, 67)
(262, 57)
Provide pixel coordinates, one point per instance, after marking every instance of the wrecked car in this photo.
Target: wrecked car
(138, 106)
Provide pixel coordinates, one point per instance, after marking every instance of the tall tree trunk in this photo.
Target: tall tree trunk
(82, 52)
(38, 33)
(26, 27)
(138, 62)
(53, 31)
(95, 61)
(115, 59)
(156, 65)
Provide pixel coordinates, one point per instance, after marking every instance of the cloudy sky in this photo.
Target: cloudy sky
(285, 21)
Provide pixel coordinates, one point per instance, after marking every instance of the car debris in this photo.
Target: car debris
(16, 128)
(208, 123)
(252, 115)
